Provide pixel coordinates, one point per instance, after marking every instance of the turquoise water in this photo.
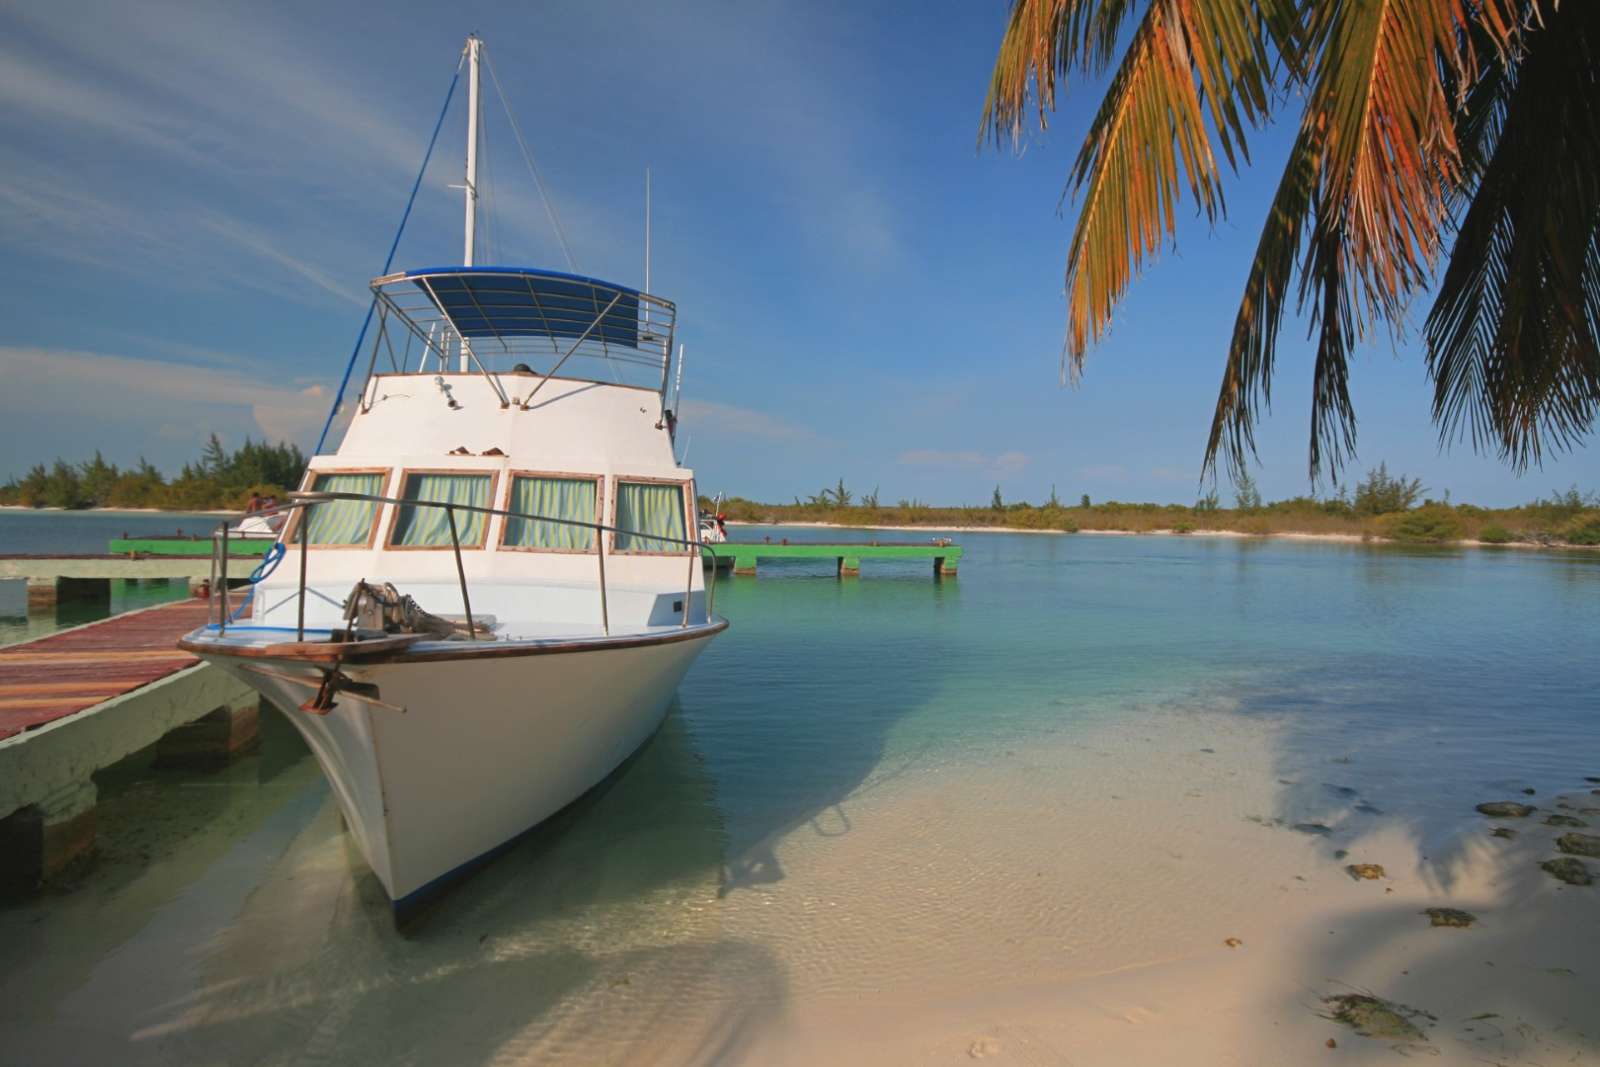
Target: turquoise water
(81, 533)
(36, 532)
(228, 921)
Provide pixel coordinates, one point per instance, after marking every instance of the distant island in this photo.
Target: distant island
(1381, 507)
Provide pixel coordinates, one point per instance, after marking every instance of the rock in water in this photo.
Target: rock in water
(1579, 845)
(1365, 871)
(1564, 820)
(1315, 828)
(1506, 809)
(1503, 831)
(1568, 870)
(1450, 917)
(1375, 1017)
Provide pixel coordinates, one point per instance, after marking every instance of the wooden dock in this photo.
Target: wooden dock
(78, 701)
(742, 556)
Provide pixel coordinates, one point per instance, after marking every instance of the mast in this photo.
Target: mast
(474, 48)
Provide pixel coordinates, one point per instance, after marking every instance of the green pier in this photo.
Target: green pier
(186, 546)
(742, 556)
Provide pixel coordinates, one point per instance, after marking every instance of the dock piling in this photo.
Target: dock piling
(45, 592)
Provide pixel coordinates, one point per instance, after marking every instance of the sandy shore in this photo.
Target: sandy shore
(1179, 921)
(1143, 891)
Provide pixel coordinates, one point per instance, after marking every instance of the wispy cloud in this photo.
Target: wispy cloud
(83, 390)
(1003, 465)
(253, 239)
(712, 419)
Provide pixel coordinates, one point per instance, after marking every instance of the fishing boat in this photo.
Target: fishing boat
(485, 597)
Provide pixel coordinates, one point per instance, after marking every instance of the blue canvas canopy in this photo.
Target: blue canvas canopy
(519, 302)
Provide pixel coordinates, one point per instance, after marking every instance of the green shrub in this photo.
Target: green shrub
(1583, 530)
(1183, 527)
(1495, 535)
(1381, 494)
(1429, 524)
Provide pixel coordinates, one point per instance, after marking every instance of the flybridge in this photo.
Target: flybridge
(492, 319)
(497, 320)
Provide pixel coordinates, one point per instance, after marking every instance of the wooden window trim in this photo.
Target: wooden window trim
(291, 528)
(599, 481)
(400, 493)
(688, 516)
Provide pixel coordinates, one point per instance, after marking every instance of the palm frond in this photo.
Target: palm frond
(1045, 41)
(1189, 61)
(1514, 333)
(1247, 374)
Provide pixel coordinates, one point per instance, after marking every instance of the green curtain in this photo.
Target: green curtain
(649, 509)
(343, 522)
(556, 498)
(430, 527)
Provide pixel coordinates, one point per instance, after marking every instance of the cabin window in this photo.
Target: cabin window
(424, 527)
(650, 517)
(575, 499)
(344, 522)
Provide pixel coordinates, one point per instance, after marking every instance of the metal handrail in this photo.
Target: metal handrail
(301, 501)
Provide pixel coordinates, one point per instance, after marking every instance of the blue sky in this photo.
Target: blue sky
(194, 197)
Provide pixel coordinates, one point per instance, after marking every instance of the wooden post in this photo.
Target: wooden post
(849, 567)
(48, 840)
(214, 739)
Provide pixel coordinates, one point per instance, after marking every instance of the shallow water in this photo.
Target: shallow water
(82, 533)
(864, 786)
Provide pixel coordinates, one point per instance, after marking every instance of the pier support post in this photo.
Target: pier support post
(214, 739)
(745, 565)
(944, 567)
(45, 593)
(849, 568)
(46, 840)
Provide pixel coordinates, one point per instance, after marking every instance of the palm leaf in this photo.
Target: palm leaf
(1247, 374)
(1512, 335)
(1378, 124)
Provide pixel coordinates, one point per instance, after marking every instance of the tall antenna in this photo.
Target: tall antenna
(677, 387)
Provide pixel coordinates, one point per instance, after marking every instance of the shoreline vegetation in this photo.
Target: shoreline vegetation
(1383, 507)
(218, 481)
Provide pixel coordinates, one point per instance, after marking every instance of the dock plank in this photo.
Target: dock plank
(56, 676)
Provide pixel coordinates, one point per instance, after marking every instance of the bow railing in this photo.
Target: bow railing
(303, 501)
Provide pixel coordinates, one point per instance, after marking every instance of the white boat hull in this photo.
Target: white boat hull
(487, 747)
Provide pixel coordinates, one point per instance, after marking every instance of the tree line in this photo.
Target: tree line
(218, 479)
(1379, 505)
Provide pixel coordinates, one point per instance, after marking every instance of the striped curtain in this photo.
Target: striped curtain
(343, 522)
(556, 498)
(647, 508)
(430, 527)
